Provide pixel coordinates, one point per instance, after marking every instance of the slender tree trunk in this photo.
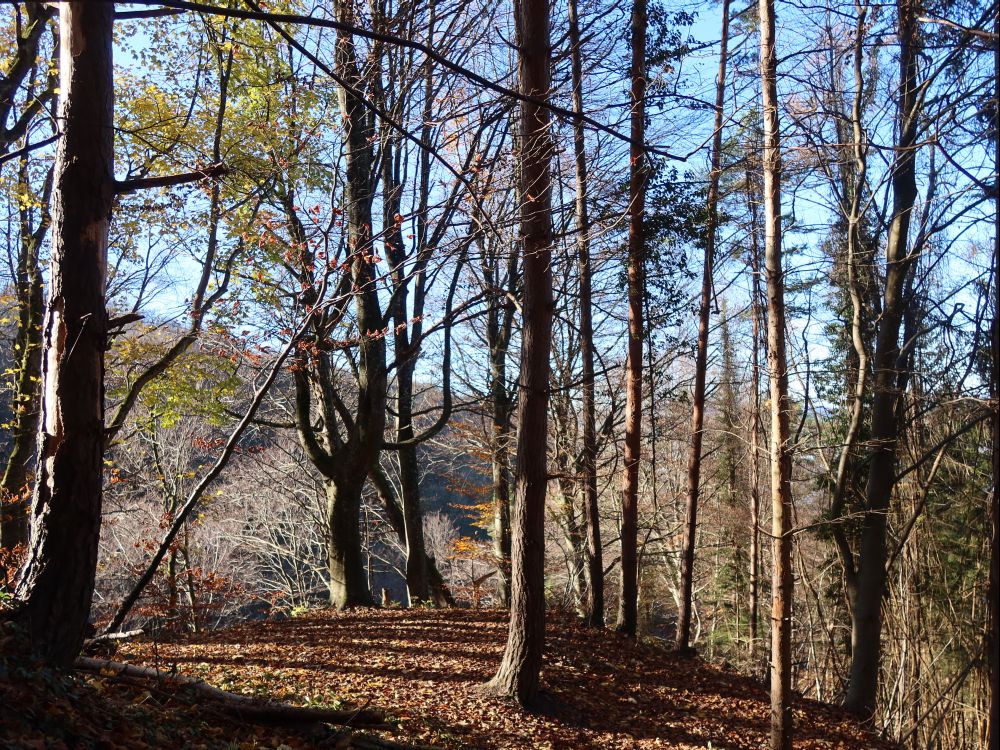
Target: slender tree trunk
(781, 457)
(518, 675)
(755, 430)
(866, 625)
(591, 511)
(57, 583)
(439, 592)
(701, 360)
(629, 599)
(993, 642)
(15, 489)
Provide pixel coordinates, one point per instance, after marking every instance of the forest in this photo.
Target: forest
(535, 374)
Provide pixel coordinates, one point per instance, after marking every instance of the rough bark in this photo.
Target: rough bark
(780, 445)
(518, 674)
(591, 512)
(629, 598)
(866, 615)
(701, 359)
(57, 583)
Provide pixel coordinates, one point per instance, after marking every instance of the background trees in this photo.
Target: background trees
(357, 185)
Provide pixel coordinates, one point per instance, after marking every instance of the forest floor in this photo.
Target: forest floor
(424, 668)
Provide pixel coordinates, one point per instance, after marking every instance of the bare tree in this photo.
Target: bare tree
(781, 448)
(701, 360)
(629, 599)
(518, 674)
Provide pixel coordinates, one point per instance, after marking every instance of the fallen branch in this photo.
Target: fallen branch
(122, 636)
(243, 706)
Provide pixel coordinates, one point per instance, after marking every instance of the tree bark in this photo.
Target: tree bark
(701, 360)
(15, 489)
(755, 421)
(629, 599)
(57, 583)
(591, 511)
(866, 619)
(780, 450)
(348, 578)
(518, 675)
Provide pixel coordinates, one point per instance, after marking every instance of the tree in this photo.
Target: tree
(518, 674)
(33, 224)
(591, 511)
(629, 598)
(781, 448)
(57, 583)
(701, 360)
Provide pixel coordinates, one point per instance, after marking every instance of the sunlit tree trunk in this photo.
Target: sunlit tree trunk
(518, 675)
(629, 598)
(780, 453)
(57, 583)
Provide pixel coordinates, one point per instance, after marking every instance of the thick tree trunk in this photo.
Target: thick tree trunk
(866, 620)
(57, 583)
(348, 577)
(701, 360)
(781, 457)
(518, 675)
(591, 510)
(629, 599)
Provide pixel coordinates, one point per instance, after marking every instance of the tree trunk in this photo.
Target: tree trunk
(591, 511)
(439, 592)
(755, 426)
(628, 601)
(701, 360)
(518, 675)
(866, 620)
(781, 457)
(15, 489)
(58, 579)
(348, 578)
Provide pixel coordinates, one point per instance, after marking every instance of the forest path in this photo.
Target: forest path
(424, 667)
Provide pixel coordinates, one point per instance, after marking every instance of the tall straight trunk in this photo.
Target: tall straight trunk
(755, 424)
(416, 573)
(701, 359)
(57, 583)
(780, 453)
(993, 643)
(629, 598)
(591, 513)
(14, 486)
(518, 675)
(866, 620)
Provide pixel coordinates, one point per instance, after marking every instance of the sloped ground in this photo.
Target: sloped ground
(425, 668)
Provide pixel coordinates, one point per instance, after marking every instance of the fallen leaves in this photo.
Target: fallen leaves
(425, 669)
